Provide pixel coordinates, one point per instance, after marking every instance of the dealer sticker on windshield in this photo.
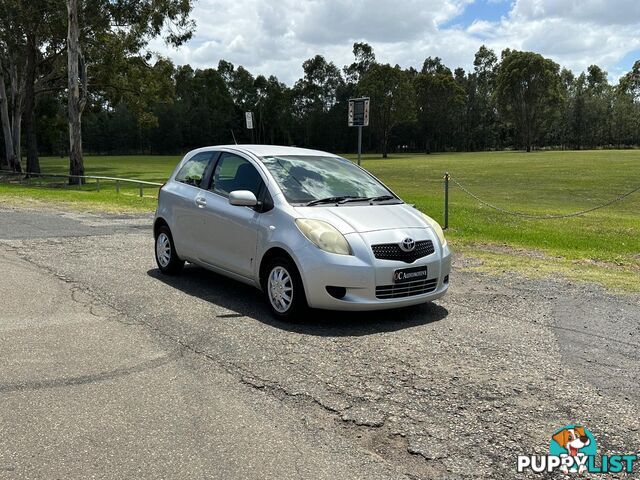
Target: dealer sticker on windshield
(410, 274)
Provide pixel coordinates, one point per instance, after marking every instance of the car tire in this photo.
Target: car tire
(166, 255)
(284, 290)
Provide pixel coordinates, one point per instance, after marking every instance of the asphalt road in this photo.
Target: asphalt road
(110, 370)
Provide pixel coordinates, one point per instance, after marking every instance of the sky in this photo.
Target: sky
(274, 37)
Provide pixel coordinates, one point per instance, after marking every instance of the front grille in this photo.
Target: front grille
(392, 251)
(407, 289)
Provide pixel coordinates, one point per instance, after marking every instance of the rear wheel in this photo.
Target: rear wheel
(283, 288)
(166, 256)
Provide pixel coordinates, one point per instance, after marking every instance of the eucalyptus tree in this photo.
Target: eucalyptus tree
(440, 100)
(627, 107)
(12, 54)
(485, 64)
(364, 60)
(527, 92)
(31, 46)
(314, 97)
(392, 99)
(113, 31)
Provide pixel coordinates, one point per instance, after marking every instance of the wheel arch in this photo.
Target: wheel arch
(159, 222)
(269, 255)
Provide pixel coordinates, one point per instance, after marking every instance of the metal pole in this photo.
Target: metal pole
(117, 186)
(140, 190)
(359, 143)
(446, 200)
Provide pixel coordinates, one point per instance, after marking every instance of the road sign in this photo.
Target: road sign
(359, 117)
(249, 118)
(359, 112)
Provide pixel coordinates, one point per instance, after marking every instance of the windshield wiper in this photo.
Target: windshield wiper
(328, 200)
(381, 198)
(349, 198)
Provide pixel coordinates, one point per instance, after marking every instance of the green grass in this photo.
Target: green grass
(147, 168)
(595, 246)
(86, 199)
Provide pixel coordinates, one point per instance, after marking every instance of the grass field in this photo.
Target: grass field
(603, 246)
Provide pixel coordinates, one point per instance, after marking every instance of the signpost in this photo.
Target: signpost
(249, 119)
(359, 117)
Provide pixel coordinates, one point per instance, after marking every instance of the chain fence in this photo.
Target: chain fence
(35, 179)
(448, 178)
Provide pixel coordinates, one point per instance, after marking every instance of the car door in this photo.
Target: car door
(185, 191)
(231, 231)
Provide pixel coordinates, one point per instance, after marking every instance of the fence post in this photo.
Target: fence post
(140, 190)
(117, 186)
(446, 200)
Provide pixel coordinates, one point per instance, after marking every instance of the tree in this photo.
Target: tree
(364, 60)
(439, 100)
(10, 153)
(484, 121)
(599, 104)
(113, 30)
(315, 97)
(527, 92)
(434, 65)
(277, 112)
(77, 92)
(11, 55)
(626, 108)
(392, 99)
(320, 84)
(31, 36)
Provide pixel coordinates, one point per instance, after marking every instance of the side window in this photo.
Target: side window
(193, 171)
(235, 173)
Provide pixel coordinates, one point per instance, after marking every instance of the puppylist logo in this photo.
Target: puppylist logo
(573, 450)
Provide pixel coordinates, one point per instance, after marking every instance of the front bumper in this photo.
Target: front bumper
(361, 273)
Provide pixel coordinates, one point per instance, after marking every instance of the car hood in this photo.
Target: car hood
(365, 218)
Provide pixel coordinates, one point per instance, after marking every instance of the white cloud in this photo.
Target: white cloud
(603, 12)
(275, 37)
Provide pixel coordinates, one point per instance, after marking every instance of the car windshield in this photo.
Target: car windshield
(315, 180)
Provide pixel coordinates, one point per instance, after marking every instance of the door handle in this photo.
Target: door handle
(201, 202)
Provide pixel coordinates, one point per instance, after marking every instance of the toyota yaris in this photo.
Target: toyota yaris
(308, 228)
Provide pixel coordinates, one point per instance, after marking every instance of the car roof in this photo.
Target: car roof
(272, 150)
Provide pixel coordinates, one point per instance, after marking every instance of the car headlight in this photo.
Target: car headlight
(436, 227)
(324, 236)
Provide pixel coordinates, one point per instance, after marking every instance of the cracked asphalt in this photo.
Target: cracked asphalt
(110, 370)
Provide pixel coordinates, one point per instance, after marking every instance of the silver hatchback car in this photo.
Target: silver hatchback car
(309, 228)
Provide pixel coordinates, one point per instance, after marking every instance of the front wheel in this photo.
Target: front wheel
(284, 289)
(166, 256)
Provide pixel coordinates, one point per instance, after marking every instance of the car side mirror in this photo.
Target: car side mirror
(243, 198)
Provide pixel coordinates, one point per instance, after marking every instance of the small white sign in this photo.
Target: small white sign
(249, 118)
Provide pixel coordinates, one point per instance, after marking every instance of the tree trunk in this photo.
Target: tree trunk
(16, 114)
(77, 93)
(385, 141)
(6, 125)
(33, 163)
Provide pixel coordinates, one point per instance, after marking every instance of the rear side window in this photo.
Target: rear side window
(235, 173)
(193, 171)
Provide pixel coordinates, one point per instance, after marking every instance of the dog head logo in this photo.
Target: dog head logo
(572, 449)
(574, 441)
